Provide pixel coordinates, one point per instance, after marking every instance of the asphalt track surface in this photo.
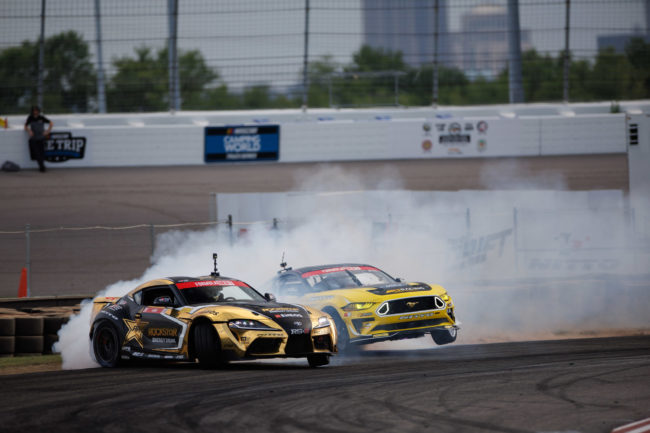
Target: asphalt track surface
(588, 385)
(84, 262)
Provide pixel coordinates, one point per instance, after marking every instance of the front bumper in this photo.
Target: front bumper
(274, 343)
(365, 328)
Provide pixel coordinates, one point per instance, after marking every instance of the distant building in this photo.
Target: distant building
(618, 42)
(407, 26)
(481, 46)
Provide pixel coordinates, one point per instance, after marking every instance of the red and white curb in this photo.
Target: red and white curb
(642, 426)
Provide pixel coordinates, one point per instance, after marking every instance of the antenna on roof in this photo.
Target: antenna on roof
(215, 273)
(283, 265)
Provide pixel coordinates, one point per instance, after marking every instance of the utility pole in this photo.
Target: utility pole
(101, 89)
(567, 57)
(305, 62)
(515, 88)
(174, 81)
(41, 58)
(436, 21)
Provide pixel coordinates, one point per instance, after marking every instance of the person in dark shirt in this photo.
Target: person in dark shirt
(35, 127)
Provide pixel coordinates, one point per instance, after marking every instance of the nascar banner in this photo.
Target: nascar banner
(242, 143)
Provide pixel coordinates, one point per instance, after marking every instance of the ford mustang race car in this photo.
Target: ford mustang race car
(213, 319)
(368, 305)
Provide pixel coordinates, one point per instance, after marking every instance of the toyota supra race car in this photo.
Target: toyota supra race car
(211, 319)
(368, 305)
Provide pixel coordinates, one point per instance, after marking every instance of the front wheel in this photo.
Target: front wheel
(106, 345)
(343, 337)
(207, 346)
(318, 360)
(444, 336)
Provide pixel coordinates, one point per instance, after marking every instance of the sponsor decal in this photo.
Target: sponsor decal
(281, 310)
(154, 310)
(242, 143)
(440, 127)
(134, 331)
(390, 291)
(454, 151)
(321, 298)
(454, 128)
(427, 145)
(114, 307)
(286, 315)
(482, 127)
(62, 146)
(163, 340)
(469, 126)
(339, 269)
(482, 145)
(297, 331)
(426, 127)
(210, 283)
(416, 316)
(365, 314)
(162, 332)
(112, 316)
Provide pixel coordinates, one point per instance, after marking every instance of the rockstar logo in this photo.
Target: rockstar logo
(134, 332)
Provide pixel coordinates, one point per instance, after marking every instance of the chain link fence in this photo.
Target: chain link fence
(123, 56)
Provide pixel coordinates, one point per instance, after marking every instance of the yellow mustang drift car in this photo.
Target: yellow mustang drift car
(368, 305)
(213, 319)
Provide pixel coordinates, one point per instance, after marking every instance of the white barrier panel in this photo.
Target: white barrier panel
(493, 234)
(345, 140)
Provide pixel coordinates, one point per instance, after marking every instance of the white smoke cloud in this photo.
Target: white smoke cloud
(558, 282)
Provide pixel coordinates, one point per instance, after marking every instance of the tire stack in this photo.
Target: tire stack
(29, 336)
(7, 336)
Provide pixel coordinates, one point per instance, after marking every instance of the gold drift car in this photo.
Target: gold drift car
(368, 305)
(213, 319)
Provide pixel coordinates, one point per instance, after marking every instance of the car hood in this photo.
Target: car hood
(381, 291)
(288, 316)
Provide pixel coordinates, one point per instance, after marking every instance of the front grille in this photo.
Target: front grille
(409, 325)
(298, 344)
(420, 303)
(264, 345)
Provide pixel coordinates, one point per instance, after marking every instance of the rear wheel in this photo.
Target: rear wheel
(318, 359)
(207, 346)
(444, 336)
(106, 345)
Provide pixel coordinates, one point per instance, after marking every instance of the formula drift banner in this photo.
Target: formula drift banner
(242, 143)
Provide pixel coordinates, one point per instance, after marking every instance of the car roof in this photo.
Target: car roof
(174, 280)
(321, 267)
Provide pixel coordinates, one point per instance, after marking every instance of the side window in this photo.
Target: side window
(150, 295)
(291, 285)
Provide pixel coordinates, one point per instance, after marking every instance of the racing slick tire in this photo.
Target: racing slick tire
(106, 345)
(444, 336)
(318, 360)
(207, 346)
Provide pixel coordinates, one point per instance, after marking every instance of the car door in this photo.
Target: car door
(160, 330)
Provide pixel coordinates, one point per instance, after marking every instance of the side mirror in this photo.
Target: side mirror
(269, 297)
(163, 301)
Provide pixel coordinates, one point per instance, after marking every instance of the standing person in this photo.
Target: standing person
(35, 127)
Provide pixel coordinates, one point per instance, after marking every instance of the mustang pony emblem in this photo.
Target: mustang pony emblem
(412, 304)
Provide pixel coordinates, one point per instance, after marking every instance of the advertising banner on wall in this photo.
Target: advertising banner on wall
(62, 146)
(242, 143)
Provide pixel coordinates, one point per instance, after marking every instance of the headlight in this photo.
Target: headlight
(356, 306)
(247, 324)
(445, 297)
(322, 322)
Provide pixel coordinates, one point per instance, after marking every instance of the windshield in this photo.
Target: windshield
(346, 277)
(206, 292)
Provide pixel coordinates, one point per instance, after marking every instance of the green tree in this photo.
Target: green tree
(68, 75)
(637, 52)
(141, 83)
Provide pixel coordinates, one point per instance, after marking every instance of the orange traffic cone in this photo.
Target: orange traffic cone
(22, 288)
